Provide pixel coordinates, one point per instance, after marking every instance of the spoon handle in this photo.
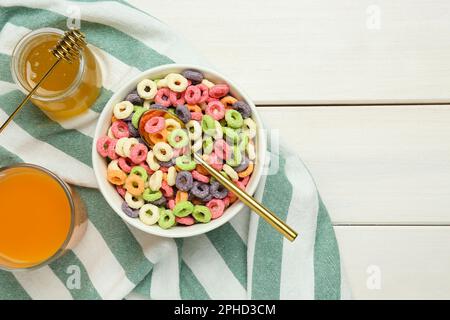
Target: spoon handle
(251, 202)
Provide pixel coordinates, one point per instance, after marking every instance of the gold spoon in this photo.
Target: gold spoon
(68, 48)
(247, 199)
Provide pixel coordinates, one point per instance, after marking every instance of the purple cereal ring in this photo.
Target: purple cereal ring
(163, 97)
(192, 95)
(138, 153)
(243, 108)
(167, 164)
(119, 129)
(200, 189)
(209, 197)
(193, 75)
(133, 131)
(183, 113)
(160, 202)
(243, 165)
(129, 212)
(134, 98)
(217, 190)
(158, 107)
(219, 91)
(184, 181)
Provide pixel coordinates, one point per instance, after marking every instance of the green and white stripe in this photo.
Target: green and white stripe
(244, 259)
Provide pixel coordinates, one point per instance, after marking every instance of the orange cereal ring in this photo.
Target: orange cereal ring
(247, 171)
(116, 177)
(194, 108)
(134, 185)
(228, 101)
(114, 119)
(201, 170)
(181, 196)
(232, 196)
(165, 176)
(160, 136)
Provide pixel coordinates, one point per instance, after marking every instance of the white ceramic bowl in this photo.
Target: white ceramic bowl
(100, 166)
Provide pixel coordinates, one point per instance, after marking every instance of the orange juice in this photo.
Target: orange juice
(70, 89)
(36, 216)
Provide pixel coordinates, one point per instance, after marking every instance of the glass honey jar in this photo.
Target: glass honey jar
(70, 89)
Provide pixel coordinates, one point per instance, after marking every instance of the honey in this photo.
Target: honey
(70, 89)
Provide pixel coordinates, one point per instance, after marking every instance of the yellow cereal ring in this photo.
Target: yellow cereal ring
(116, 177)
(228, 101)
(247, 171)
(160, 136)
(134, 185)
(181, 196)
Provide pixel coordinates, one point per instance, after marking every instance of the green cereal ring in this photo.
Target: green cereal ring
(208, 125)
(139, 171)
(166, 219)
(208, 145)
(171, 111)
(150, 195)
(234, 119)
(223, 122)
(224, 174)
(236, 157)
(202, 214)
(183, 209)
(185, 163)
(244, 142)
(178, 138)
(232, 137)
(137, 115)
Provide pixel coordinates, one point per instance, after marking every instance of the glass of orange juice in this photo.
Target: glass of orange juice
(70, 89)
(41, 217)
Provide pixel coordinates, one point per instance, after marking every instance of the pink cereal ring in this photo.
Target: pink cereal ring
(164, 169)
(200, 177)
(121, 191)
(154, 124)
(217, 208)
(167, 190)
(211, 100)
(103, 146)
(219, 91)
(196, 116)
(245, 180)
(171, 204)
(192, 95)
(176, 98)
(222, 149)
(138, 153)
(240, 185)
(163, 97)
(215, 162)
(112, 150)
(215, 109)
(125, 164)
(119, 129)
(204, 92)
(187, 221)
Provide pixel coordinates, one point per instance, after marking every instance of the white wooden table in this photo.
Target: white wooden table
(361, 87)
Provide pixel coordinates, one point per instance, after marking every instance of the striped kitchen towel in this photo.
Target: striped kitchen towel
(244, 259)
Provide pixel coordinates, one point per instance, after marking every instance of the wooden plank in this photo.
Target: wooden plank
(373, 164)
(410, 262)
(321, 51)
